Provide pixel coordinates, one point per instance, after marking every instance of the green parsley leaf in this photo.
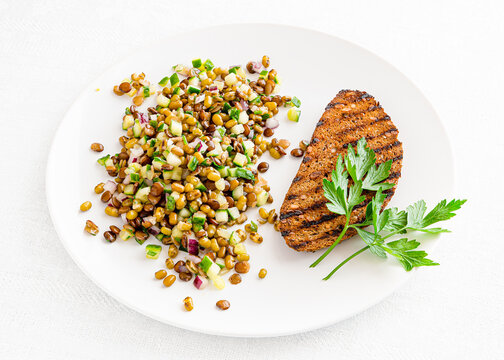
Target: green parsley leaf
(359, 162)
(403, 250)
(396, 220)
(375, 175)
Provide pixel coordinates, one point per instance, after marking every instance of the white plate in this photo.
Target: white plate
(292, 298)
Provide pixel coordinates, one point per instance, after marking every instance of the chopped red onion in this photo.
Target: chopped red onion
(192, 246)
(110, 186)
(244, 105)
(148, 182)
(135, 154)
(195, 259)
(200, 282)
(154, 230)
(127, 179)
(272, 123)
(256, 66)
(150, 219)
(217, 134)
(144, 119)
(213, 88)
(199, 98)
(121, 197)
(124, 218)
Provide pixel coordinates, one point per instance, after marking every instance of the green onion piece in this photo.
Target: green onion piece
(244, 173)
(177, 90)
(102, 160)
(208, 65)
(226, 107)
(266, 116)
(152, 251)
(196, 63)
(153, 123)
(146, 91)
(256, 100)
(234, 113)
(218, 167)
(184, 139)
(296, 102)
(222, 131)
(205, 263)
(135, 177)
(164, 81)
(174, 79)
(253, 226)
(127, 111)
(233, 69)
(170, 203)
(192, 164)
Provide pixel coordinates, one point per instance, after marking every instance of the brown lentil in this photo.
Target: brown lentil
(114, 229)
(125, 87)
(255, 237)
(185, 276)
(160, 274)
(223, 304)
(91, 228)
(97, 147)
(265, 61)
(169, 263)
(242, 267)
(85, 206)
(262, 273)
(173, 251)
(297, 152)
(235, 279)
(169, 280)
(268, 132)
(188, 303)
(109, 236)
(99, 188)
(106, 196)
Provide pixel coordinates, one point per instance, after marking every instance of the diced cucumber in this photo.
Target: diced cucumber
(224, 233)
(128, 121)
(175, 128)
(220, 262)
(142, 194)
(194, 81)
(158, 163)
(237, 129)
(240, 249)
(193, 89)
(232, 172)
(220, 184)
(170, 203)
(135, 177)
(184, 213)
(174, 79)
(173, 160)
(243, 118)
(162, 100)
(193, 164)
(208, 65)
(203, 75)
(238, 192)
(262, 198)
(224, 172)
(293, 114)
(249, 146)
(234, 213)
(129, 189)
(196, 63)
(199, 218)
(221, 216)
(234, 239)
(177, 233)
(152, 251)
(137, 129)
(125, 235)
(177, 174)
(201, 187)
(205, 263)
(240, 160)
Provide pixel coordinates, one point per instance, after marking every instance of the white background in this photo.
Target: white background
(453, 50)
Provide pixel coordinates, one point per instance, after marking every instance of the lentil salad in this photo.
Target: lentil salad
(187, 170)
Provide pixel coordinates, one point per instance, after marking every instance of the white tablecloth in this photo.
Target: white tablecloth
(453, 50)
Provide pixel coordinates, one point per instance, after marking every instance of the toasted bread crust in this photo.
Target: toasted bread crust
(305, 222)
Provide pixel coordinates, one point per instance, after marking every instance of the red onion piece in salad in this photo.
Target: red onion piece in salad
(199, 98)
(154, 230)
(256, 66)
(121, 197)
(124, 218)
(127, 179)
(192, 246)
(110, 186)
(244, 105)
(135, 154)
(195, 259)
(200, 282)
(213, 88)
(148, 182)
(272, 123)
(150, 219)
(144, 118)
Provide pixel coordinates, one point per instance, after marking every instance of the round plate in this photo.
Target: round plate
(292, 298)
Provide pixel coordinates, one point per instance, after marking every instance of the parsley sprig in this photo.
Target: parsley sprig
(359, 168)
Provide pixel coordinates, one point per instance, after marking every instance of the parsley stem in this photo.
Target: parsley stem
(345, 261)
(333, 244)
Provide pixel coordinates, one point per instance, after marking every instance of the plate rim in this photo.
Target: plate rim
(323, 324)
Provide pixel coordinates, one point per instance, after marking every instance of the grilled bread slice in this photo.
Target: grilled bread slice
(305, 222)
